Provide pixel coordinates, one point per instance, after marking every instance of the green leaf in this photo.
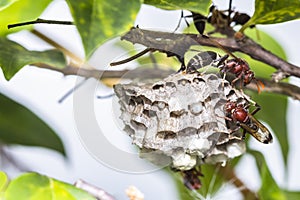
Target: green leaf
(212, 181)
(199, 6)
(33, 186)
(100, 20)
(5, 3)
(269, 188)
(183, 192)
(264, 39)
(292, 194)
(13, 57)
(274, 11)
(273, 112)
(15, 11)
(270, 102)
(3, 181)
(20, 126)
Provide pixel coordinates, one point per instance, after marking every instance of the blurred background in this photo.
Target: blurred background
(41, 89)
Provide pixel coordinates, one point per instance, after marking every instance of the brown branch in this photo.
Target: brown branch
(178, 44)
(141, 73)
(146, 73)
(99, 193)
(58, 46)
(279, 88)
(257, 52)
(88, 73)
(228, 173)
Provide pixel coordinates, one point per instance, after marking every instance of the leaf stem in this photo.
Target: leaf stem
(39, 21)
(68, 53)
(131, 58)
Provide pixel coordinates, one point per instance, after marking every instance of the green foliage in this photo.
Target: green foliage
(20, 126)
(271, 102)
(212, 180)
(13, 11)
(269, 188)
(33, 186)
(13, 57)
(268, 42)
(199, 6)
(3, 182)
(5, 3)
(292, 194)
(273, 112)
(97, 21)
(274, 11)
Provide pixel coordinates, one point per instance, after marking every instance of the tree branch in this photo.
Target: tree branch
(99, 193)
(141, 73)
(278, 88)
(40, 21)
(228, 173)
(45, 38)
(178, 44)
(146, 73)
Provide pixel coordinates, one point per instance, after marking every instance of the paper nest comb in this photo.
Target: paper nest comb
(182, 117)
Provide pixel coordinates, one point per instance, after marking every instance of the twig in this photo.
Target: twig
(270, 86)
(106, 96)
(40, 21)
(228, 173)
(88, 73)
(279, 88)
(9, 159)
(72, 90)
(229, 13)
(131, 58)
(178, 44)
(142, 73)
(99, 193)
(74, 58)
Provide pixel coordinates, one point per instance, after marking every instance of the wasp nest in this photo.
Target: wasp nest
(183, 118)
